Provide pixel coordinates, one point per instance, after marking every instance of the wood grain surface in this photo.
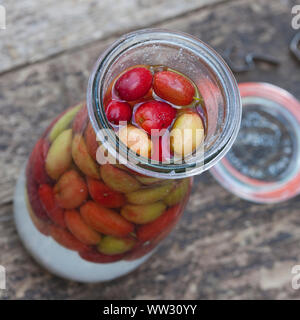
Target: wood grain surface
(37, 29)
(224, 247)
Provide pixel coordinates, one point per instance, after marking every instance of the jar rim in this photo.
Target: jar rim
(275, 101)
(223, 75)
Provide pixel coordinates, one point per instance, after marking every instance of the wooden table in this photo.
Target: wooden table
(224, 247)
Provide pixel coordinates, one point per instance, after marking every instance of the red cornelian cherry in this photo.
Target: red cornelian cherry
(117, 111)
(155, 115)
(134, 84)
(161, 148)
(174, 88)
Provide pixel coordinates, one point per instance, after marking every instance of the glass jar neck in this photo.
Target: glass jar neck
(190, 56)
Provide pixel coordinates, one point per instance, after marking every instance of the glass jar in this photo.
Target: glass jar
(88, 208)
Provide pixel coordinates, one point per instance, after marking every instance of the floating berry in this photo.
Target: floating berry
(38, 157)
(155, 115)
(33, 197)
(66, 239)
(105, 220)
(111, 246)
(136, 139)
(80, 229)
(71, 190)
(174, 88)
(92, 144)
(104, 195)
(160, 226)
(187, 133)
(117, 111)
(161, 148)
(134, 84)
(55, 213)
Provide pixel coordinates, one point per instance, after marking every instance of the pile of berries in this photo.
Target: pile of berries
(105, 212)
(155, 111)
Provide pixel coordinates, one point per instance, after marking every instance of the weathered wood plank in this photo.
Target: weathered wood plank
(224, 247)
(38, 29)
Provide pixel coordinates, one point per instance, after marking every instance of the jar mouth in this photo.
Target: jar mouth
(192, 54)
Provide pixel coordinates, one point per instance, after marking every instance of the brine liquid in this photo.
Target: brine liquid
(197, 105)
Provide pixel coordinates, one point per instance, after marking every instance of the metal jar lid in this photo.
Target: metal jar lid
(264, 163)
